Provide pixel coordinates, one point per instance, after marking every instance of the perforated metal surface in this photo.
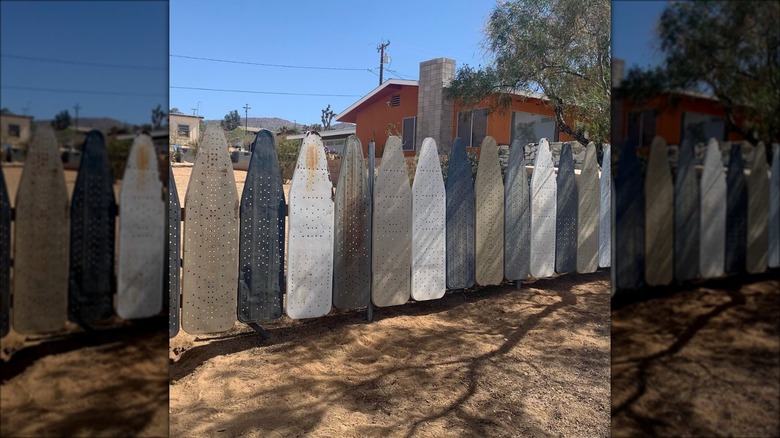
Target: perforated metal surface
(261, 235)
(459, 189)
(629, 249)
(517, 216)
(713, 214)
(543, 212)
(210, 270)
(566, 214)
(605, 208)
(758, 213)
(41, 239)
(391, 262)
(429, 210)
(489, 196)
(310, 245)
(141, 234)
(736, 212)
(5, 257)
(659, 217)
(686, 216)
(588, 213)
(774, 210)
(351, 259)
(174, 255)
(92, 233)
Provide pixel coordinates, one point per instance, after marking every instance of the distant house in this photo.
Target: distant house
(414, 110)
(184, 129)
(334, 140)
(15, 130)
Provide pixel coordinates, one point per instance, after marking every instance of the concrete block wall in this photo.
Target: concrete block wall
(435, 113)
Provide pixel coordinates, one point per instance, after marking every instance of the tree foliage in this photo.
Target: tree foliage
(175, 110)
(61, 120)
(158, 116)
(327, 117)
(730, 49)
(559, 48)
(232, 121)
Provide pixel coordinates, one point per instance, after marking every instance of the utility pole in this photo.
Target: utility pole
(381, 49)
(246, 120)
(77, 108)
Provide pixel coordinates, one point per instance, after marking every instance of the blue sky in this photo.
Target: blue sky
(341, 34)
(634, 34)
(124, 33)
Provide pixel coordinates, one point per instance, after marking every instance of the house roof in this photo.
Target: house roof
(326, 134)
(184, 115)
(16, 116)
(348, 115)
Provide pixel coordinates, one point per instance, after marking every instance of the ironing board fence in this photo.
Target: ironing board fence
(716, 214)
(393, 210)
(73, 276)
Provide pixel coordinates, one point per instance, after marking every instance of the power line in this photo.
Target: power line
(400, 75)
(265, 92)
(86, 63)
(307, 67)
(99, 92)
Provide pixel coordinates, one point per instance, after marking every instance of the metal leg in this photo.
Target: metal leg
(259, 330)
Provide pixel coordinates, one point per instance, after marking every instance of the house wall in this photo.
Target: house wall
(194, 124)
(669, 118)
(24, 129)
(373, 119)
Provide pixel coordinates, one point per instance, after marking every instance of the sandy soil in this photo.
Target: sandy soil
(702, 361)
(110, 382)
(491, 362)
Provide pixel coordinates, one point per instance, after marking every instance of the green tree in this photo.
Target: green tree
(327, 117)
(158, 115)
(560, 48)
(175, 110)
(61, 120)
(232, 121)
(730, 49)
(5, 110)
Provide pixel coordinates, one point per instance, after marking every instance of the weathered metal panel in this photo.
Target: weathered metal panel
(517, 216)
(588, 213)
(261, 235)
(351, 257)
(629, 249)
(543, 212)
(758, 213)
(489, 195)
(392, 229)
(605, 208)
(459, 189)
(429, 210)
(659, 217)
(141, 234)
(310, 244)
(5, 258)
(92, 234)
(736, 212)
(40, 301)
(210, 239)
(712, 248)
(686, 216)
(566, 214)
(174, 255)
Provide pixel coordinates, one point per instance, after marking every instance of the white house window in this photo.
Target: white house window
(472, 126)
(699, 128)
(408, 133)
(14, 130)
(184, 130)
(641, 127)
(530, 128)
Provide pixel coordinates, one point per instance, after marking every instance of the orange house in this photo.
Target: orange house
(414, 110)
(677, 117)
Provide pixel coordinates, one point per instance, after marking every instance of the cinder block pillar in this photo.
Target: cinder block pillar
(434, 112)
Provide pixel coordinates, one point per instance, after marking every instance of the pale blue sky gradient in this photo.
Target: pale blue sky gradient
(342, 34)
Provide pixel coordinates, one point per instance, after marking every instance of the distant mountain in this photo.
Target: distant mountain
(274, 123)
(100, 123)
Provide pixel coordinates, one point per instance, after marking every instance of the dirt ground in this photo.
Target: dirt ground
(111, 382)
(490, 362)
(702, 361)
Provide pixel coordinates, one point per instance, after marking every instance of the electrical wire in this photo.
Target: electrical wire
(85, 63)
(307, 67)
(264, 92)
(99, 92)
